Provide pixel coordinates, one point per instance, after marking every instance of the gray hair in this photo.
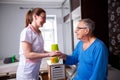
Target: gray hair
(89, 24)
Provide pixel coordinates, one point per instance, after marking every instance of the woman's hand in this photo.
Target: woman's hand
(58, 53)
(54, 53)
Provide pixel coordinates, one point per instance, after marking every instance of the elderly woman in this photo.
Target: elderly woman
(90, 54)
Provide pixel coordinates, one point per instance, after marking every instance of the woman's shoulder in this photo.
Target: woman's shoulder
(99, 43)
(26, 30)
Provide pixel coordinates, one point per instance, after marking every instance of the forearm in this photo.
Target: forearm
(46, 51)
(71, 60)
(34, 55)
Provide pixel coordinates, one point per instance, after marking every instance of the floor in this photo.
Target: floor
(113, 74)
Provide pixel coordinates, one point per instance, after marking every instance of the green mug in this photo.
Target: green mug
(54, 47)
(54, 59)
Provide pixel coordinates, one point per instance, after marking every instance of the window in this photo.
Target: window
(48, 32)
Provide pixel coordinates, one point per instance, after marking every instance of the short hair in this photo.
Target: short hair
(89, 24)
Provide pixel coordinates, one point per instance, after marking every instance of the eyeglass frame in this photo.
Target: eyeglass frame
(78, 28)
(42, 17)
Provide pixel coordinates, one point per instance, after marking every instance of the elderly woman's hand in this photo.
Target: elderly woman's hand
(61, 55)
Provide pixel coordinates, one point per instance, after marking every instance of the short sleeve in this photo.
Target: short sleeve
(26, 36)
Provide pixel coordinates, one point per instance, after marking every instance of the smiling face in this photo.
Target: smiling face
(81, 30)
(41, 19)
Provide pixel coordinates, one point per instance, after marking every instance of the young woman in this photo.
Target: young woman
(32, 46)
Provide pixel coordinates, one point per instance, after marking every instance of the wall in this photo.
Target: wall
(67, 28)
(97, 10)
(114, 32)
(12, 22)
(71, 15)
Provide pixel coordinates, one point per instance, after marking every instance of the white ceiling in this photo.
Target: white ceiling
(44, 3)
(32, 1)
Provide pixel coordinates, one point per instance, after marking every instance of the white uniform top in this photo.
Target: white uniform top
(29, 69)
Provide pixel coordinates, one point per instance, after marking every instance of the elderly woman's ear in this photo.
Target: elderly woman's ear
(87, 31)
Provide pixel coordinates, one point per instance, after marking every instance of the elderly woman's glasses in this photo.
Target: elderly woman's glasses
(78, 28)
